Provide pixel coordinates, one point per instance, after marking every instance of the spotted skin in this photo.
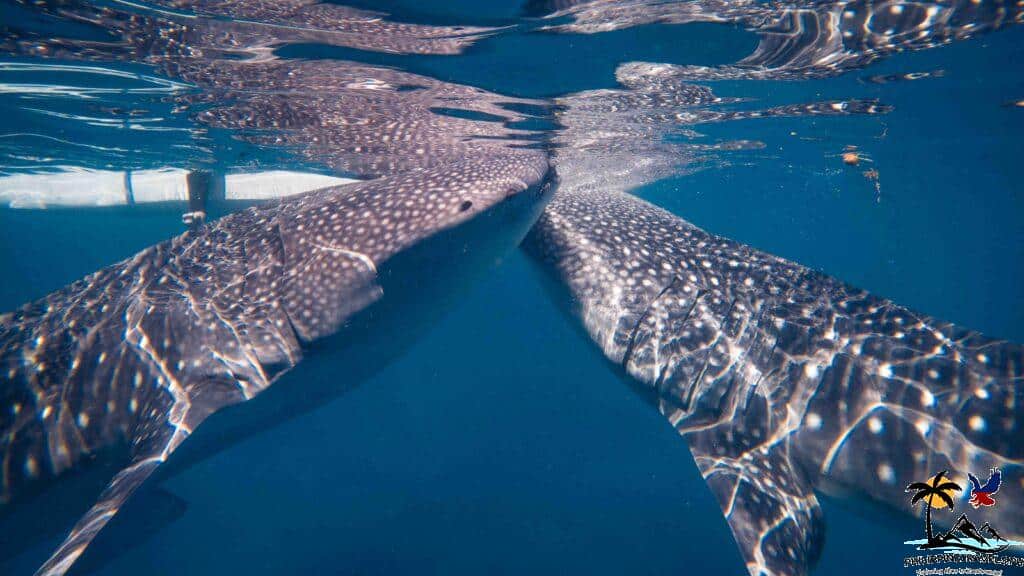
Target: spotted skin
(783, 381)
(142, 352)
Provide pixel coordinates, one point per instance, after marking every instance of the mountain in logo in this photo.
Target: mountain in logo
(963, 529)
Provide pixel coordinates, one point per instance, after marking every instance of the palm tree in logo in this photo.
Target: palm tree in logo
(936, 494)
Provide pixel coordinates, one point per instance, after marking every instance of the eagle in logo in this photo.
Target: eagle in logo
(982, 495)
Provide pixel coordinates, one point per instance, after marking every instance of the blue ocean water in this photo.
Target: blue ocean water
(502, 442)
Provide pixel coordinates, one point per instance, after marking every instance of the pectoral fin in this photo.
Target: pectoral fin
(154, 439)
(324, 283)
(124, 484)
(137, 523)
(771, 510)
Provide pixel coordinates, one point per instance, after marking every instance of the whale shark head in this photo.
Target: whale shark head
(335, 242)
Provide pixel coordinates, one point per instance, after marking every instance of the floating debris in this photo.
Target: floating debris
(872, 175)
(853, 157)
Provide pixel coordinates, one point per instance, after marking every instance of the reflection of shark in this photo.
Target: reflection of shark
(796, 40)
(125, 364)
(783, 381)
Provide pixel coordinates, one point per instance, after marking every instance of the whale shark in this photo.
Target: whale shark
(127, 363)
(106, 381)
(783, 381)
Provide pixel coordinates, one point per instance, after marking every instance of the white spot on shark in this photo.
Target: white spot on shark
(811, 370)
(31, 467)
(875, 425)
(813, 421)
(923, 426)
(927, 398)
(885, 473)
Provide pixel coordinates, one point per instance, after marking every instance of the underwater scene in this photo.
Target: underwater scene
(511, 287)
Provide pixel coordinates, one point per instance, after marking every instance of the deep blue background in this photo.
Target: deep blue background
(502, 443)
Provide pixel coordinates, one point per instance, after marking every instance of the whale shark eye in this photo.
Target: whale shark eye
(466, 205)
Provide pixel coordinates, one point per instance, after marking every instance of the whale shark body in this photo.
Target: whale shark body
(132, 359)
(783, 381)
